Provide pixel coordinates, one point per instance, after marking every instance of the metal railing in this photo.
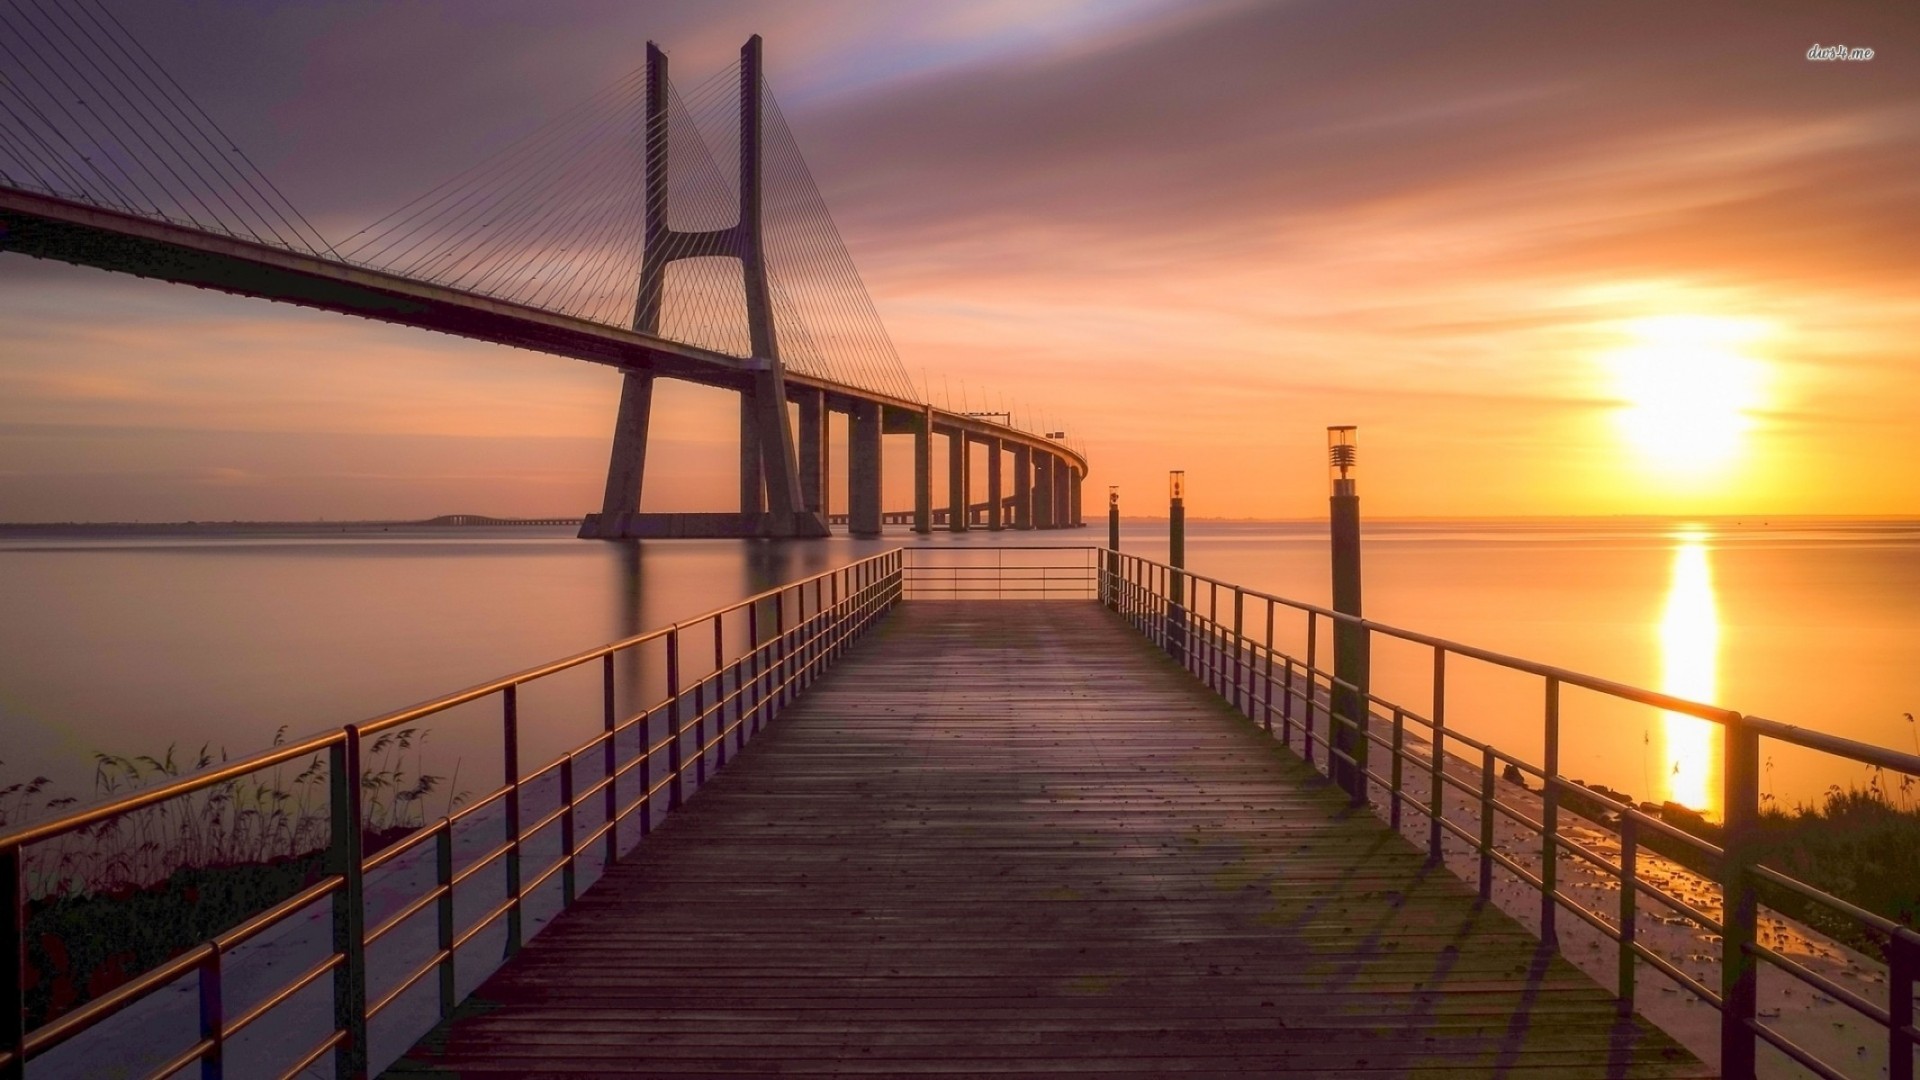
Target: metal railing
(1224, 635)
(1001, 572)
(792, 633)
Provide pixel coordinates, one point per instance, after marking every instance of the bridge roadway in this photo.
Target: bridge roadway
(1007, 838)
(48, 227)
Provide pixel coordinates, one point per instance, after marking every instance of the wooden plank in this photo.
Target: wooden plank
(1011, 838)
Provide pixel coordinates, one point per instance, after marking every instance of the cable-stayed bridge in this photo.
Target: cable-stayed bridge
(667, 234)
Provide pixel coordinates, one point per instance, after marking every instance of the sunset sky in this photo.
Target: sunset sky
(1592, 258)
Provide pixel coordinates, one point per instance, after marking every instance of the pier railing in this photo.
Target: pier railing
(1224, 634)
(716, 693)
(1001, 572)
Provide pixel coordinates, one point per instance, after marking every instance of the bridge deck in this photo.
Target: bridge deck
(1011, 838)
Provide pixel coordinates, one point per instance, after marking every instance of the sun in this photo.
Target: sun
(1688, 391)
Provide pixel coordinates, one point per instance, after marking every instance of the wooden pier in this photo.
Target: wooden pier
(1013, 838)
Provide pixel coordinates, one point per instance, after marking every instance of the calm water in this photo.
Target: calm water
(132, 645)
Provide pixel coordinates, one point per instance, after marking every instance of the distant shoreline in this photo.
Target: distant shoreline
(449, 522)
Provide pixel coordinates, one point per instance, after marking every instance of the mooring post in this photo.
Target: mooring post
(1177, 560)
(1349, 694)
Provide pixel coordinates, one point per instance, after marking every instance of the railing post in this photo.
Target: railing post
(1266, 683)
(610, 761)
(213, 1016)
(443, 913)
(569, 883)
(753, 661)
(510, 717)
(673, 719)
(13, 953)
(699, 732)
(1903, 965)
(780, 648)
(1313, 688)
(720, 694)
(1436, 802)
(1486, 824)
(1738, 978)
(1399, 747)
(1629, 908)
(349, 907)
(1550, 820)
(1286, 707)
(1240, 695)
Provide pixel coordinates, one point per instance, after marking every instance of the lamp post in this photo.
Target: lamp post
(1177, 559)
(1113, 547)
(1348, 719)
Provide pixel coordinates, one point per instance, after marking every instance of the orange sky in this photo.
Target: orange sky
(1589, 258)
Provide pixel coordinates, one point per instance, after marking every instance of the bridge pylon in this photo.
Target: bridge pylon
(774, 502)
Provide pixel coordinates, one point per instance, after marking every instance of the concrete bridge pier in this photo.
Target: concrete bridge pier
(814, 480)
(923, 473)
(863, 469)
(1023, 487)
(996, 508)
(1073, 499)
(957, 476)
(1043, 504)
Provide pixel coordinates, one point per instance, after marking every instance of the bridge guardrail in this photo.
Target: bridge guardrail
(1231, 648)
(793, 632)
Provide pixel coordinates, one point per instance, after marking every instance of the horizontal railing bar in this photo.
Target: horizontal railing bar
(185, 1058)
(1591, 918)
(412, 840)
(485, 921)
(472, 808)
(544, 876)
(1570, 678)
(57, 1031)
(1867, 753)
(1793, 1050)
(1513, 865)
(1825, 985)
(1706, 922)
(1852, 911)
(481, 863)
(433, 964)
(557, 813)
(239, 935)
(418, 905)
(280, 997)
(1692, 985)
(314, 1055)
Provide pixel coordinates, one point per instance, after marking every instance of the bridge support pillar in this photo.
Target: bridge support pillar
(626, 467)
(923, 473)
(1073, 498)
(1023, 487)
(1043, 491)
(996, 510)
(1061, 514)
(863, 470)
(752, 489)
(958, 512)
(813, 449)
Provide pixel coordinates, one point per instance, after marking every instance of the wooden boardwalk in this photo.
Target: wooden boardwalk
(1014, 839)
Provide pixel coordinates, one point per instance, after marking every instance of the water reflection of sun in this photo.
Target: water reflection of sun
(1690, 668)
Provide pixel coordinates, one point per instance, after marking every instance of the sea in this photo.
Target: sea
(152, 647)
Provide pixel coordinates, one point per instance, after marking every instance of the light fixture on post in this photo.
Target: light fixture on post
(1111, 584)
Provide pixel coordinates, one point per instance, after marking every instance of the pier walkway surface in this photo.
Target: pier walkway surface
(1013, 838)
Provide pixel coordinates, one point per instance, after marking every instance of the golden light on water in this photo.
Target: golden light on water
(1689, 391)
(1690, 668)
